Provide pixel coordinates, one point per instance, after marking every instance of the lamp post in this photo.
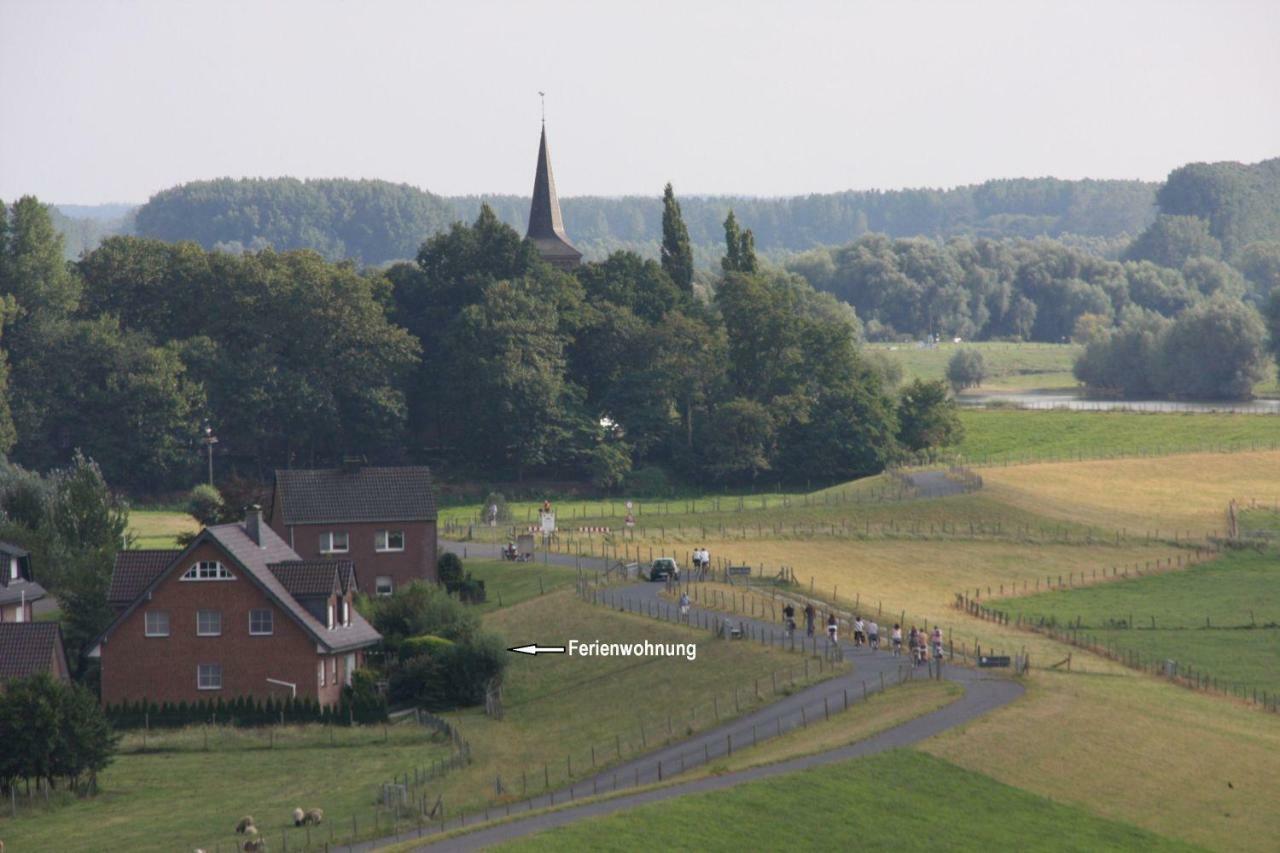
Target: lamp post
(209, 440)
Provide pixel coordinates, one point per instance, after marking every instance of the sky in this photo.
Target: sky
(107, 100)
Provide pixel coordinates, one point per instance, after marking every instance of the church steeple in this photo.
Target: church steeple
(546, 228)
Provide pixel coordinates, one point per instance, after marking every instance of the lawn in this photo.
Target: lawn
(1209, 618)
(179, 796)
(1136, 749)
(1188, 493)
(1010, 366)
(507, 583)
(902, 800)
(159, 528)
(997, 435)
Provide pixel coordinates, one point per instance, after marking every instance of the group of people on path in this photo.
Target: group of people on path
(701, 559)
(921, 644)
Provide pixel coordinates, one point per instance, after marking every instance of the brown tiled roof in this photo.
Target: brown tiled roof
(19, 591)
(134, 572)
(27, 648)
(319, 496)
(310, 577)
(256, 558)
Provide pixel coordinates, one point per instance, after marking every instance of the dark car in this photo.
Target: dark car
(663, 568)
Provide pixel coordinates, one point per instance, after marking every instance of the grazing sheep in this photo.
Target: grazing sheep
(298, 815)
(255, 845)
(314, 817)
(245, 822)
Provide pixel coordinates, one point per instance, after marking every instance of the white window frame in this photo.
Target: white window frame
(333, 670)
(205, 613)
(378, 585)
(146, 623)
(320, 674)
(13, 568)
(208, 570)
(382, 541)
(328, 542)
(330, 623)
(271, 623)
(349, 667)
(214, 669)
(346, 613)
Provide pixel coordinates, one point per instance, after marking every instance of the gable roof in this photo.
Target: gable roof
(135, 570)
(27, 648)
(320, 496)
(23, 590)
(253, 560)
(303, 578)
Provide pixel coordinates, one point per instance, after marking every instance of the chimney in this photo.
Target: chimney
(253, 523)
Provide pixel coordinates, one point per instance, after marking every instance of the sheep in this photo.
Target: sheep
(298, 815)
(255, 845)
(243, 826)
(314, 817)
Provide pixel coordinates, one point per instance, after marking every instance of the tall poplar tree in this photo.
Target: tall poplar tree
(740, 248)
(677, 253)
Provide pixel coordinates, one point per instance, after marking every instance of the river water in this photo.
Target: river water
(1073, 402)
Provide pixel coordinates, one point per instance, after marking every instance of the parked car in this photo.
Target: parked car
(663, 568)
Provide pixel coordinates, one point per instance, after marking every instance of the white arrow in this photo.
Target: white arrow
(534, 649)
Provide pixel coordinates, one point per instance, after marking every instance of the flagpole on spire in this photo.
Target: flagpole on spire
(543, 96)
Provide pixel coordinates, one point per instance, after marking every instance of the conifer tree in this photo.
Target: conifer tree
(677, 253)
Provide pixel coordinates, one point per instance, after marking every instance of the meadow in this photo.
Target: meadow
(1010, 366)
(507, 583)
(176, 794)
(919, 802)
(1219, 619)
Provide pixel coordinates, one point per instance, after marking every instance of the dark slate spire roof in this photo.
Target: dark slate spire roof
(546, 228)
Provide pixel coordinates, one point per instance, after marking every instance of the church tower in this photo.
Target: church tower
(546, 228)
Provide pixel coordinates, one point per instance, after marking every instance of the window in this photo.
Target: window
(157, 623)
(13, 568)
(209, 676)
(320, 672)
(333, 670)
(334, 542)
(383, 585)
(348, 667)
(388, 540)
(208, 570)
(208, 623)
(329, 624)
(346, 612)
(260, 623)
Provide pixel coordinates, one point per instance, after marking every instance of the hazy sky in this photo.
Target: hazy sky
(112, 101)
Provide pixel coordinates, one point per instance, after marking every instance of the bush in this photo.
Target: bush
(927, 417)
(427, 644)
(610, 465)
(205, 505)
(450, 568)
(51, 731)
(967, 369)
(418, 609)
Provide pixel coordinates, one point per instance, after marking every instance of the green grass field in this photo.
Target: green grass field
(511, 583)
(159, 528)
(178, 796)
(1220, 618)
(995, 435)
(1010, 366)
(902, 800)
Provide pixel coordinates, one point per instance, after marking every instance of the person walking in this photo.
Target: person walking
(833, 627)
(873, 636)
(896, 638)
(859, 631)
(788, 613)
(809, 616)
(684, 606)
(937, 643)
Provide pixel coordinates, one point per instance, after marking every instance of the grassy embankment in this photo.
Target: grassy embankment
(1220, 619)
(919, 803)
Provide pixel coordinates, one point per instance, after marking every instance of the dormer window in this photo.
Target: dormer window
(346, 613)
(334, 542)
(13, 568)
(208, 570)
(330, 622)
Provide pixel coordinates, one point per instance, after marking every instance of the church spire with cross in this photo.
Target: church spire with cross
(546, 227)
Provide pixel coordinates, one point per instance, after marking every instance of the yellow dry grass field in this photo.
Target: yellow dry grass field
(1135, 749)
(1167, 493)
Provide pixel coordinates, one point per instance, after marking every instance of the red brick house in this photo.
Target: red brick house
(30, 648)
(384, 519)
(18, 589)
(235, 613)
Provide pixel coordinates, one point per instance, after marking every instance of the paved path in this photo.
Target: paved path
(871, 672)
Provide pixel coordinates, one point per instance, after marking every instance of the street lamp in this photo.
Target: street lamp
(209, 440)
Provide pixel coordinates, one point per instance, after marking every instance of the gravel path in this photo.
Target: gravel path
(871, 672)
(935, 484)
